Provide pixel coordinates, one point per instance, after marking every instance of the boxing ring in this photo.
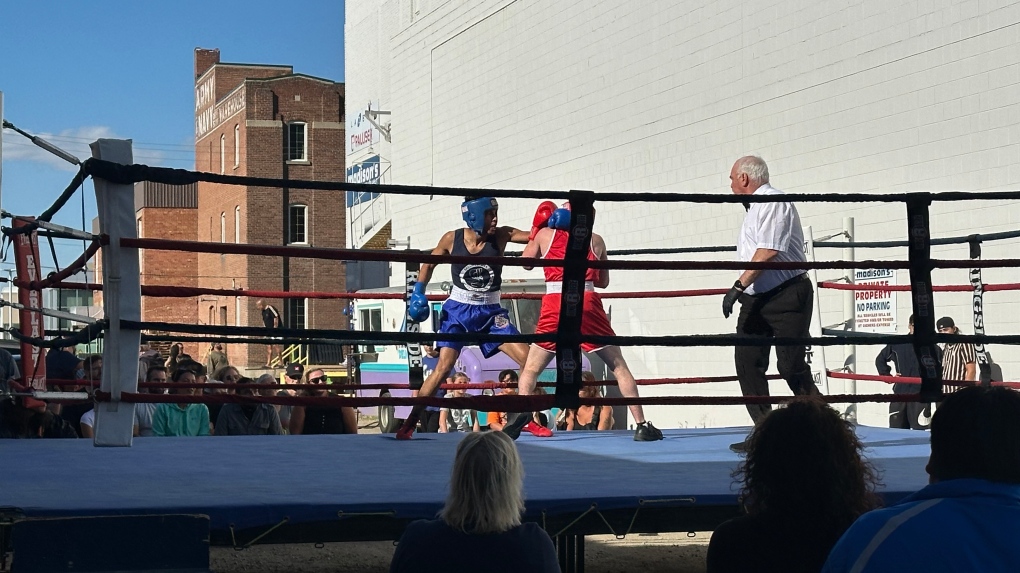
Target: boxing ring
(312, 489)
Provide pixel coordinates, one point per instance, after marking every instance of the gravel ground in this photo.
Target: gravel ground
(674, 552)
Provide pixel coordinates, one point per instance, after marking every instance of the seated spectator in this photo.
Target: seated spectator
(968, 517)
(292, 375)
(88, 420)
(75, 413)
(225, 375)
(803, 482)
(589, 417)
(145, 410)
(248, 419)
(458, 419)
(24, 416)
(545, 417)
(481, 520)
(63, 365)
(322, 419)
(498, 419)
(181, 419)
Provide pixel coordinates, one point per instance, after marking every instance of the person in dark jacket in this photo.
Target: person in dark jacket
(904, 415)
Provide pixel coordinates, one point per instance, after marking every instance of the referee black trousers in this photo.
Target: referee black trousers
(783, 311)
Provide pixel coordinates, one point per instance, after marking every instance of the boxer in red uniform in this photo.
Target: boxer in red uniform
(551, 243)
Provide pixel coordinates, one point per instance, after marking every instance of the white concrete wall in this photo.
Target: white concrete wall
(663, 95)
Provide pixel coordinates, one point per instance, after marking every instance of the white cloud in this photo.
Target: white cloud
(74, 141)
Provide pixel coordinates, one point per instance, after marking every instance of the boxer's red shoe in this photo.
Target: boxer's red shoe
(406, 431)
(538, 430)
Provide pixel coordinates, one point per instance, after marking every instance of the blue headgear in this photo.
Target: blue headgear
(474, 212)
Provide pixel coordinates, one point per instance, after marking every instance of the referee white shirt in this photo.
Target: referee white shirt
(774, 226)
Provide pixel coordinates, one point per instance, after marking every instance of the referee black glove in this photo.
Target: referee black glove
(731, 298)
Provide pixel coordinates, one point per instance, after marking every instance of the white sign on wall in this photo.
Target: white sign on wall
(874, 310)
(361, 134)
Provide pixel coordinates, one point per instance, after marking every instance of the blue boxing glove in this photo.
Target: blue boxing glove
(560, 219)
(418, 309)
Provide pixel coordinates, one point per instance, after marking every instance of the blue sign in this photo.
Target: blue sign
(368, 172)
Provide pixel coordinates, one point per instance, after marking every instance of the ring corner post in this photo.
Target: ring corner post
(922, 297)
(575, 266)
(121, 298)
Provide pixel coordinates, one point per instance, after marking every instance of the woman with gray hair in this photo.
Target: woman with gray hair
(481, 521)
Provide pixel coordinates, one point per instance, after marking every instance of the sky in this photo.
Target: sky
(73, 72)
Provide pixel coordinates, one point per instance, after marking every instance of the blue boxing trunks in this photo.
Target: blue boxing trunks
(458, 317)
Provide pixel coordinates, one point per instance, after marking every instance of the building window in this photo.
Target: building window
(297, 313)
(237, 224)
(297, 225)
(237, 145)
(223, 227)
(297, 142)
(370, 320)
(223, 153)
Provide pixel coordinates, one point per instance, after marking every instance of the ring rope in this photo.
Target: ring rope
(503, 403)
(913, 380)
(408, 256)
(130, 174)
(670, 340)
(906, 288)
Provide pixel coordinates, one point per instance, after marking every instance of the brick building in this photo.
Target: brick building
(267, 121)
(168, 212)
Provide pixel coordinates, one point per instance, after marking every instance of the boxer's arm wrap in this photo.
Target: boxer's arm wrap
(545, 209)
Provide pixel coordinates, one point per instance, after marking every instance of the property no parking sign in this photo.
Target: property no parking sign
(874, 310)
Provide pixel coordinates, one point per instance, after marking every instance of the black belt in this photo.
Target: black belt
(783, 285)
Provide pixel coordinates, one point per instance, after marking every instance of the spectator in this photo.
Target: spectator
(320, 419)
(545, 417)
(147, 358)
(292, 375)
(248, 419)
(92, 367)
(216, 359)
(430, 416)
(271, 320)
(176, 350)
(967, 518)
(904, 415)
(145, 410)
(590, 417)
(959, 359)
(498, 419)
(225, 375)
(63, 365)
(481, 520)
(458, 419)
(181, 419)
(803, 482)
(85, 426)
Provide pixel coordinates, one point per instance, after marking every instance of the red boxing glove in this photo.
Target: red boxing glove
(542, 214)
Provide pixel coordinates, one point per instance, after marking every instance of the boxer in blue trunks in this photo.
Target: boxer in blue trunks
(473, 305)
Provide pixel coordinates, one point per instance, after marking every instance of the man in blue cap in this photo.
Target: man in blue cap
(473, 305)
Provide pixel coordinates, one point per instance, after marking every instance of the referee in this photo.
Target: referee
(772, 302)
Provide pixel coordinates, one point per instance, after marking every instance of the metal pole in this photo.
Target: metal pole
(849, 350)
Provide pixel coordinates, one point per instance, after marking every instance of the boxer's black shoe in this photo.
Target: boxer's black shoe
(646, 432)
(516, 423)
